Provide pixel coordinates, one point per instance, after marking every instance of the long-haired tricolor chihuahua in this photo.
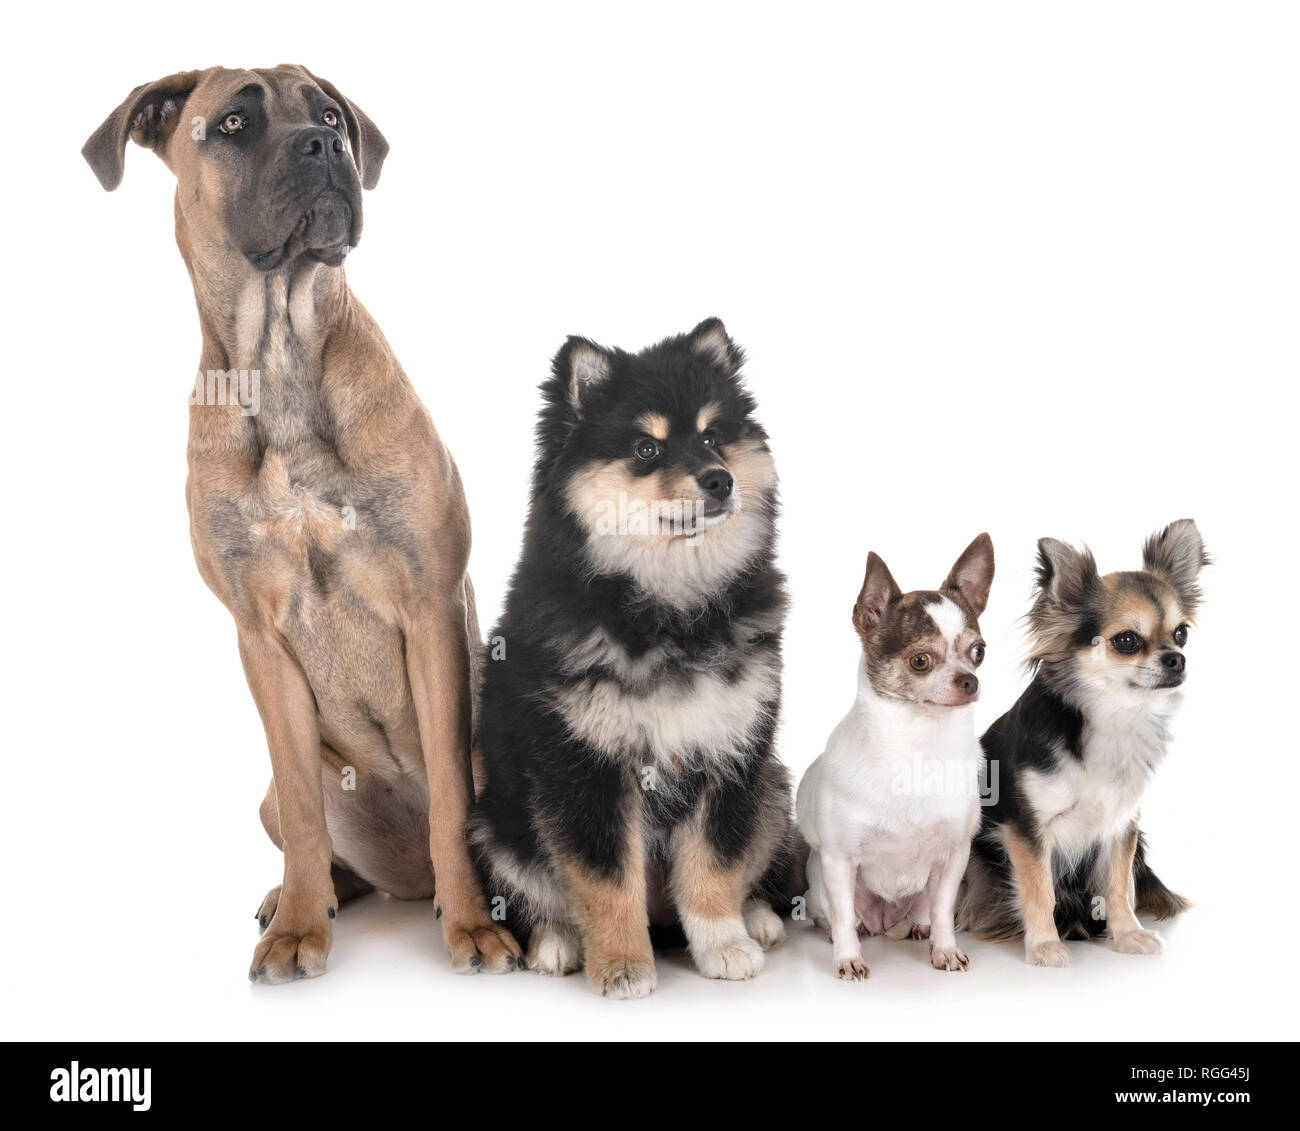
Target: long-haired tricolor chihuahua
(890, 807)
(1059, 854)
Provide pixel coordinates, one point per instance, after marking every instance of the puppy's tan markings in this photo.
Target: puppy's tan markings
(1032, 877)
(1121, 920)
(654, 424)
(706, 415)
(709, 894)
(611, 917)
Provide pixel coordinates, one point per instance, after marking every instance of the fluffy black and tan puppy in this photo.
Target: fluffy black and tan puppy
(1059, 854)
(632, 686)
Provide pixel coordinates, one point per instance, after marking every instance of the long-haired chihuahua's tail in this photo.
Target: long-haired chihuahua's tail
(1150, 894)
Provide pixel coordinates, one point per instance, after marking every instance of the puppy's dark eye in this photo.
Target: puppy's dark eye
(708, 439)
(977, 654)
(232, 123)
(1126, 643)
(920, 662)
(647, 449)
(1180, 635)
(330, 118)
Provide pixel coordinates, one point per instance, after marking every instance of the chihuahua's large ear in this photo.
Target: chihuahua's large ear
(878, 589)
(1065, 575)
(578, 368)
(369, 146)
(712, 342)
(148, 116)
(972, 574)
(1177, 554)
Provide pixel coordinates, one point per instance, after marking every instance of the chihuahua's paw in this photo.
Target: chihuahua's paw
(1051, 953)
(948, 958)
(762, 924)
(851, 969)
(919, 931)
(623, 978)
(554, 949)
(1139, 942)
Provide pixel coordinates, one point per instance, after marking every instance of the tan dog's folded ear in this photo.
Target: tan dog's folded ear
(148, 115)
(369, 146)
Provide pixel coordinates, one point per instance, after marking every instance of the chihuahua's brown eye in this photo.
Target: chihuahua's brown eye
(1126, 643)
(920, 662)
(330, 118)
(977, 653)
(647, 449)
(1180, 635)
(233, 123)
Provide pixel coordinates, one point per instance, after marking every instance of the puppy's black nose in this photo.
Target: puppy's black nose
(1174, 661)
(717, 481)
(968, 683)
(318, 142)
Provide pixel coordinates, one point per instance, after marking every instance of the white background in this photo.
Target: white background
(1023, 268)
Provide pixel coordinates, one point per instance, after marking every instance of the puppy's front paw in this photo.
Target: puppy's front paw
(763, 924)
(1050, 953)
(948, 958)
(1139, 942)
(478, 945)
(295, 944)
(554, 950)
(622, 977)
(732, 955)
(851, 969)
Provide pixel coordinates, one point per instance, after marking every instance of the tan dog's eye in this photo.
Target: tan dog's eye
(1180, 635)
(330, 118)
(920, 662)
(1126, 643)
(977, 654)
(233, 123)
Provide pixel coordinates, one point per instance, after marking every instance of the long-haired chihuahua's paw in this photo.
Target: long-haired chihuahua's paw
(919, 931)
(480, 948)
(851, 969)
(554, 950)
(763, 924)
(622, 977)
(1139, 942)
(948, 958)
(1051, 953)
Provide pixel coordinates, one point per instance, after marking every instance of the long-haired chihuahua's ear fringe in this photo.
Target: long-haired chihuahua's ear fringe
(712, 342)
(1064, 574)
(1177, 554)
(578, 368)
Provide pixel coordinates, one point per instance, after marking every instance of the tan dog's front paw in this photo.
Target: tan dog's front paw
(266, 909)
(479, 946)
(293, 946)
(948, 958)
(622, 977)
(1139, 942)
(852, 969)
(1050, 953)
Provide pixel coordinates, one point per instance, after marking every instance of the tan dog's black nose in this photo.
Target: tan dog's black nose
(967, 683)
(1174, 661)
(318, 142)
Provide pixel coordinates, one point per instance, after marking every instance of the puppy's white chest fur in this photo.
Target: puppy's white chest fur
(1093, 798)
(896, 792)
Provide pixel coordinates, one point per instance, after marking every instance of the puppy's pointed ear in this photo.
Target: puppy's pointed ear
(1065, 575)
(579, 367)
(878, 589)
(369, 146)
(972, 574)
(148, 115)
(1177, 554)
(712, 342)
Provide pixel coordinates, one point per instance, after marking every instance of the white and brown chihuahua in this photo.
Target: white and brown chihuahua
(890, 806)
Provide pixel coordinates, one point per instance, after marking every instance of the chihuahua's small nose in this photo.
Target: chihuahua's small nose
(968, 683)
(1174, 661)
(717, 481)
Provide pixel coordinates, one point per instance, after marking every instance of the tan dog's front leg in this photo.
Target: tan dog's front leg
(1032, 876)
(437, 656)
(1129, 935)
(297, 939)
(709, 895)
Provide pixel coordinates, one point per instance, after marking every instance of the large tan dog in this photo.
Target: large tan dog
(324, 510)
